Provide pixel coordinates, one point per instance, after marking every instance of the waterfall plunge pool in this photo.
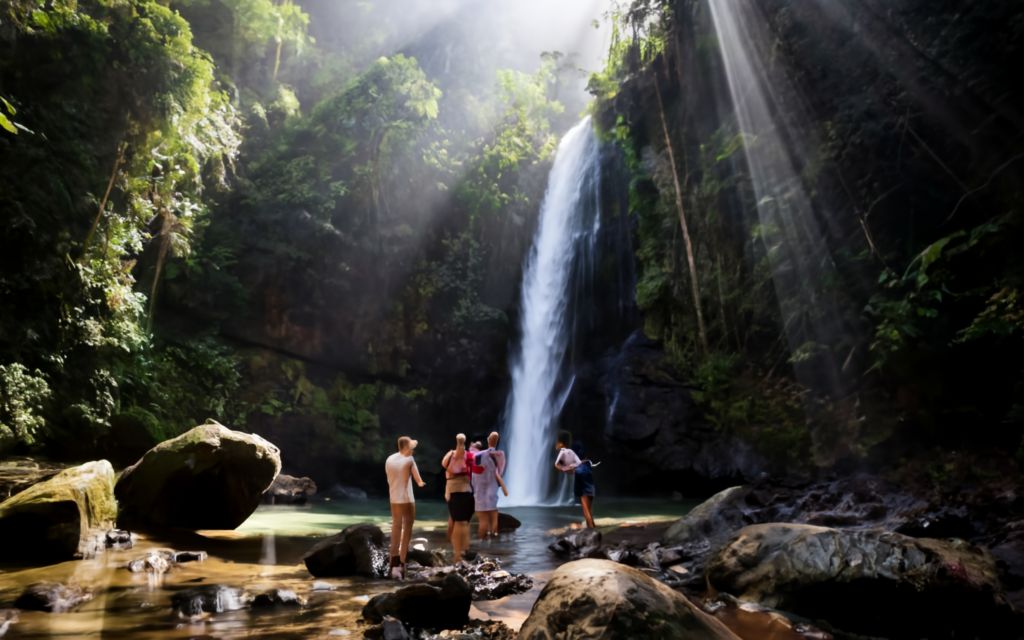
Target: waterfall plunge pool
(266, 552)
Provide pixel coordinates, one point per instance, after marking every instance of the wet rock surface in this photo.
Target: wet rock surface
(425, 606)
(118, 539)
(159, 561)
(52, 597)
(208, 599)
(601, 599)
(485, 576)
(357, 551)
(904, 587)
(750, 620)
(982, 514)
(288, 489)
(580, 543)
(507, 523)
(210, 477)
(393, 629)
(60, 518)
(277, 598)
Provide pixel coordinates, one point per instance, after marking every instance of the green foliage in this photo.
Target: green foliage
(912, 307)
(768, 412)
(7, 113)
(639, 34)
(523, 139)
(23, 398)
(131, 132)
(182, 384)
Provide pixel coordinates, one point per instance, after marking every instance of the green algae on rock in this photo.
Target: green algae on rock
(57, 519)
(209, 477)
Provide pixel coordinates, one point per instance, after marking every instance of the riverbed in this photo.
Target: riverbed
(266, 552)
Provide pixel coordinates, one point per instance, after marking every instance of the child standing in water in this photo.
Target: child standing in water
(583, 477)
(401, 470)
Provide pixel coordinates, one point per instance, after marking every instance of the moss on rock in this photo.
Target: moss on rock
(209, 477)
(56, 518)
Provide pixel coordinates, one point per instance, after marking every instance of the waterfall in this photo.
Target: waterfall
(541, 376)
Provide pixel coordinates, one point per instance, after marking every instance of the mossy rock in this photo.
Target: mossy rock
(604, 600)
(209, 477)
(56, 519)
(869, 582)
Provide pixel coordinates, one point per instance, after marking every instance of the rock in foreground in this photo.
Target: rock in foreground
(423, 606)
(212, 598)
(52, 597)
(603, 600)
(357, 551)
(207, 478)
(60, 518)
(870, 582)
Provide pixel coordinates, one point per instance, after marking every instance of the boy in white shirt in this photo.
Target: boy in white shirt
(401, 470)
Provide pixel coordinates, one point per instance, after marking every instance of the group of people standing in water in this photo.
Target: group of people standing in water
(473, 477)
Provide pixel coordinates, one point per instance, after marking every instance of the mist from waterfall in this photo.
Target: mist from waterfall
(541, 377)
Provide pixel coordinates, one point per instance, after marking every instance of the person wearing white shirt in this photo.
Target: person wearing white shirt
(401, 471)
(583, 477)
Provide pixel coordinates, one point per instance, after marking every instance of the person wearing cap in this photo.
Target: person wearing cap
(401, 471)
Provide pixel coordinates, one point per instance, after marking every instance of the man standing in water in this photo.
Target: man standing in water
(583, 478)
(401, 470)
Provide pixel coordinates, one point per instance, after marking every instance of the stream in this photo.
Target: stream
(266, 552)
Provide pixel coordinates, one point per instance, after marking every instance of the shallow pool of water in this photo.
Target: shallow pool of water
(266, 552)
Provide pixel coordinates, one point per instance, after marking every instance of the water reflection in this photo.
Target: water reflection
(266, 552)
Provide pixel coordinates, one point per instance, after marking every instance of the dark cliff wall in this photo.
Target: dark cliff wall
(904, 128)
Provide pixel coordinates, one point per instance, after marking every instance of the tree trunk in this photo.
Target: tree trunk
(161, 259)
(106, 198)
(694, 284)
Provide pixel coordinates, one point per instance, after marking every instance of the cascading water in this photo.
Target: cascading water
(541, 380)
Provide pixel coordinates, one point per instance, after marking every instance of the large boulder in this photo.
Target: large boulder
(600, 599)
(60, 518)
(288, 489)
(872, 582)
(357, 551)
(713, 521)
(207, 478)
(424, 606)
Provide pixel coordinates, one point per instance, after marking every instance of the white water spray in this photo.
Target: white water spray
(565, 235)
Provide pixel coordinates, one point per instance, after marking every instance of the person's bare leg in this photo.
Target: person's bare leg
(460, 540)
(408, 517)
(492, 523)
(396, 535)
(481, 524)
(451, 528)
(588, 514)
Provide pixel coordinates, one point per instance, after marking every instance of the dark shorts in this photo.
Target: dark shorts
(583, 481)
(461, 506)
